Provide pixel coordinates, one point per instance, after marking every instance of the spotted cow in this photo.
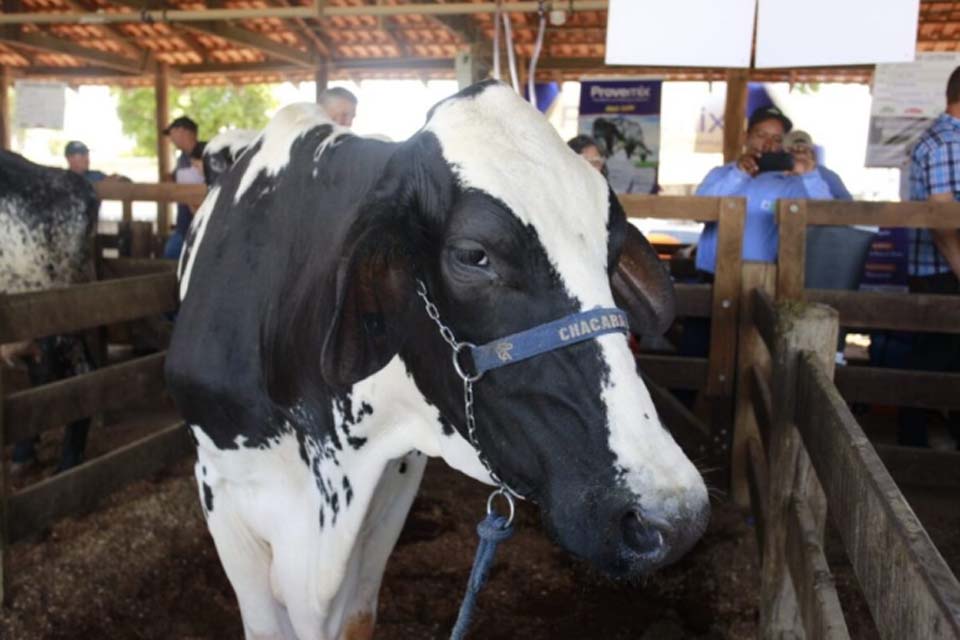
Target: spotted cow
(316, 384)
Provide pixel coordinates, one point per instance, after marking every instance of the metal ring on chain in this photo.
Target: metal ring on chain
(502, 491)
(466, 377)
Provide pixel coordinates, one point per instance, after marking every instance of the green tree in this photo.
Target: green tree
(212, 108)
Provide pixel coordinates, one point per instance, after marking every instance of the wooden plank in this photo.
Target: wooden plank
(129, 267)
(6, 126)
(799, 326)
(937, 215)
(726, 298)
(38, 41)
(734, 113)
(812, 581)
(127, 216)
(695, 208)
(791, 256)
(78, 490)
(758, 480)
(909, 588)
(762, 405)
(900, 387)
(693, 300)
(30, 412)
(674, 372)
(752, 357)
(191, 194)
(765, 318)
(916, 467)
(688, 431)
(894, 311)
(24, 316)
(161, 97)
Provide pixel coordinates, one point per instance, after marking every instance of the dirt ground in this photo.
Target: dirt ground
(143, 566)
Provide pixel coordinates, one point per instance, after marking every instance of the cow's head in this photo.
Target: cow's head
(509, 229)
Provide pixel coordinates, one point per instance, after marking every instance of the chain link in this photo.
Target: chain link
(468, 400)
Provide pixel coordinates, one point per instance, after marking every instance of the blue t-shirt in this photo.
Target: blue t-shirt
(94, 176)
(760, 238)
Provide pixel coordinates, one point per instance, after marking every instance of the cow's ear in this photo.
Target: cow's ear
(642, 286)
(374, 291)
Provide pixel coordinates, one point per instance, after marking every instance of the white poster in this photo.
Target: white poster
(687, 33)
(827, 32)
(40, 104)
(906, 100)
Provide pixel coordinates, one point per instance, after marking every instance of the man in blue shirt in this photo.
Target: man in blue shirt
(78, 161)
(800, 144)
(183, 134)
(765, 131)
(934, 254)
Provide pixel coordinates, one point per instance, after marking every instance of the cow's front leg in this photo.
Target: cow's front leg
(388, 511)
(246, 560)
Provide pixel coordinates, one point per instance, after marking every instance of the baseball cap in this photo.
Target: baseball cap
(74, 147)
(797, 138)
(183, 122)
(769, 113)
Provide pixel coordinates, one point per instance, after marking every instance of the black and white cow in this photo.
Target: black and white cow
(316, 384)
(48, 219)
(620, 133)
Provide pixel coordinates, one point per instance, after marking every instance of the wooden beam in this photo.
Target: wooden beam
(321, 76)
(910, 590)
(936, 215)
(894, 311)
(192, 194)
(43, 42)
(30, 412)
(161, 96)
(80, 489)
(812, 581)
(791, 258)
(110, 32)
(243, 37)
(699, 209)
(900, 387)
(674, 372)
(758, 480)
(6, 125)
(734, 113)
(693, 300)
(24, 316)
(731, 214)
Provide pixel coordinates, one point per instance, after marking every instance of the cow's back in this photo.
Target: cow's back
(258, 233)
(47, 219)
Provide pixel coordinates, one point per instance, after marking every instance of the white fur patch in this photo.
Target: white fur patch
(232, 139)
(199, 223)
(278, 137)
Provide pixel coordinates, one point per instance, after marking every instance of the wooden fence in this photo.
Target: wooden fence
(26, 413)
(143, 239)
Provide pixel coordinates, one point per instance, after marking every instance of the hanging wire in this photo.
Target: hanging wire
(532, 72)
(496, 40)
(511, 54)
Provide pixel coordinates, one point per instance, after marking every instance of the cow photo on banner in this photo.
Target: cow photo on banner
(623, 116)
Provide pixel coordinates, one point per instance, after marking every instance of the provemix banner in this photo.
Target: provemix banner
(623, 116)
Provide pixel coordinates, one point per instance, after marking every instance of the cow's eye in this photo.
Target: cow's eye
(472, 257)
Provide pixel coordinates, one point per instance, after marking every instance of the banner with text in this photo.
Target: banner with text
(623, 116)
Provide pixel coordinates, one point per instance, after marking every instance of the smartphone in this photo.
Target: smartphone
(775, 161)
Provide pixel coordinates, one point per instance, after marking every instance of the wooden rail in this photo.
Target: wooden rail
(817, 461)
(26, 413)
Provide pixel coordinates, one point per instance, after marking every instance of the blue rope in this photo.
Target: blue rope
(492, 530)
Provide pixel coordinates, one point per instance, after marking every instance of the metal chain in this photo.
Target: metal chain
(468, 400)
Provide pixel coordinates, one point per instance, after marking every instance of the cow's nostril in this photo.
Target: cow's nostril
(641, 537)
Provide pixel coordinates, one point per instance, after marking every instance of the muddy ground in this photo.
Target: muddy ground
(143, 566)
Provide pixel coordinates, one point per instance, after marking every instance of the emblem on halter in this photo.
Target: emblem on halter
(503, 351)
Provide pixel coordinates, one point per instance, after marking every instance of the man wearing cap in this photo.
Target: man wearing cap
(183, 135)
(78, 161)
(800, 145)
(765, 133)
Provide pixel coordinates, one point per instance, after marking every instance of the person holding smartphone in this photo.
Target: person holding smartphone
(763, 174)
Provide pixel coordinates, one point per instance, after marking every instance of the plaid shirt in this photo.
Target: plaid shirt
(934, 168)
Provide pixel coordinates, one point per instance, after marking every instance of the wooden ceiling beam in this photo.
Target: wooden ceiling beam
(42, 42)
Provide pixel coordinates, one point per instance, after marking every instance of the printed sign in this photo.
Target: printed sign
(623, 116)
(40, 104)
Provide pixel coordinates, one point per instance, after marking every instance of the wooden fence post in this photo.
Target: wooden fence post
(799, 327)
(751, 354)
(726, 298)
(791, 257)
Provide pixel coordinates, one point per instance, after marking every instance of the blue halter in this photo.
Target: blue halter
(550, 336)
